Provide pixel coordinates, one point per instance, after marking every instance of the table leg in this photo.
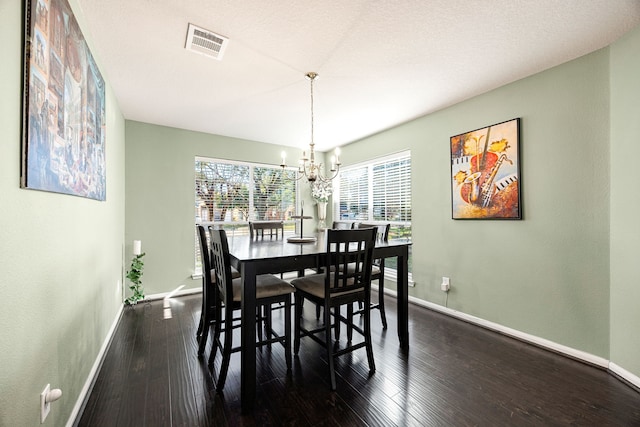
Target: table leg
(403, 297)
(248, 338)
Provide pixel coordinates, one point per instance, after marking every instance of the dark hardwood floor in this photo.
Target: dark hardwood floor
(454, 374)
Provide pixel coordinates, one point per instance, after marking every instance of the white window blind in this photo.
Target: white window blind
(379, 190)
(375, 192)
(273, 194)
(222, 192)
(230, 194)
(354, 194)
(391, 184)
(235, 193)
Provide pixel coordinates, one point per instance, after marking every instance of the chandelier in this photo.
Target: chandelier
(307, 165)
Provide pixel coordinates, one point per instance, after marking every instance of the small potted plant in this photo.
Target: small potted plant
(135, 275)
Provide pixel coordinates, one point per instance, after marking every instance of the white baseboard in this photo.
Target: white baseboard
(625, 375)
(573, 353)
(95, 369)
(535, 340)
(174, 293)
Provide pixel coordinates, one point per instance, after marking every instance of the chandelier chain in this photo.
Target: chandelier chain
(308, 167)
(313, 77)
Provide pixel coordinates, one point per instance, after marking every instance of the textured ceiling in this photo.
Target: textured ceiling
(380, 62)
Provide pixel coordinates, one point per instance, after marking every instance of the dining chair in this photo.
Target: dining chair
(258, 228)
(234, 273)
(269, 290)
(256, 232)
(343, 225)
(335, 287)
(377, 270)
(207, 313)
(337, 225)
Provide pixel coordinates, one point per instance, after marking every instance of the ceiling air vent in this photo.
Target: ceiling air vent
(206, 42)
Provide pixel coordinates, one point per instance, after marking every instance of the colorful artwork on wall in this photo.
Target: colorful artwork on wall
(63, 144)
(485, 172)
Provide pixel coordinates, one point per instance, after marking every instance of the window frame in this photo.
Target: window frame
(241, 227)
(370, 211)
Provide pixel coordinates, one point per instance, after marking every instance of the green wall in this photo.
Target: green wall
(160, 195)
(60, 260)
(625, 203)
(548, 274)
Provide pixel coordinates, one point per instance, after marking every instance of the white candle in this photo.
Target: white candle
(137, 247)
(284, 157)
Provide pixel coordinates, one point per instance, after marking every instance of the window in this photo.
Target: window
(230, 194)
(378, 191)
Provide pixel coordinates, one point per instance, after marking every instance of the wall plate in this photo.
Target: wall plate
(45, 406)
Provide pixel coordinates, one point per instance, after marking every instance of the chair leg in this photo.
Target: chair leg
(217, 330)
(202, 312)
(383, 314)
(329, 345)
(211, 313)
(201, 324)
(349, 322)
(287, 332)
(298, 319)
(268, 323)
(205, 323)
(260, 321)
(367, 337)
(226, 351)
(199, 331)
(202, 340)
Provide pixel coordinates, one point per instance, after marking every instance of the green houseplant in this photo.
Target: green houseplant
(135, 276)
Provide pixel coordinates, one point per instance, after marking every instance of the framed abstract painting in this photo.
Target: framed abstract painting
(63, 119)
(485, 172)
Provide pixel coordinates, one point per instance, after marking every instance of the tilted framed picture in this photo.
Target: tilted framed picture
(485, 172)
(63, 118)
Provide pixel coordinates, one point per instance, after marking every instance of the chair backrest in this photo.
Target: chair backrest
(343, 225)
(349, 260)
(257, 228)
(221, 262)
(382, 230)
(205, 258)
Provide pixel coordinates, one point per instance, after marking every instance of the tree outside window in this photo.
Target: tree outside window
(230, 194)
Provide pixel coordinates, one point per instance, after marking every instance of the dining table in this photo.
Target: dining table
(274, 256)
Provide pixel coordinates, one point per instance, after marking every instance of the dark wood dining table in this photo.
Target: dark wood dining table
(272, 256)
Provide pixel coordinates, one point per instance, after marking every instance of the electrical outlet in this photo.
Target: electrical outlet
(45, 406)
(445, 285)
